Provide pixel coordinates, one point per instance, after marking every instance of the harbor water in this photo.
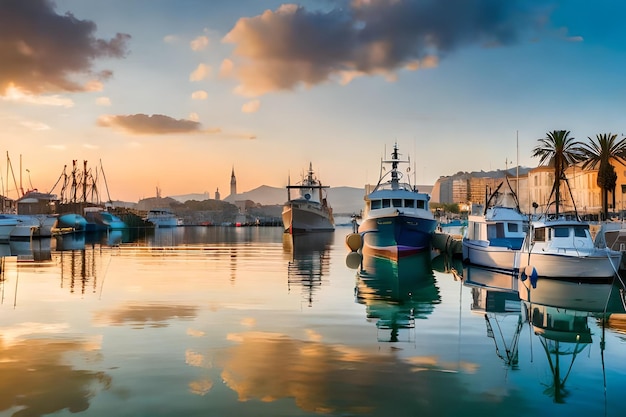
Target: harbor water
(249, 321)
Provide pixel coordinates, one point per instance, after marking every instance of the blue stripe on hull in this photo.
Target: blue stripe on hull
(405, 233)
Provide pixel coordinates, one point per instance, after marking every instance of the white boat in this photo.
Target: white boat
(397, 220)
(495, 233)
(564, 248)
(31, 226)
(162, 217)
(309, 211)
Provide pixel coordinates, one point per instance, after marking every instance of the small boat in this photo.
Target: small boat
(495, 234)
(397, 220)
(309, 211)
(99, 219)
(70, 223)
(162, 217)
(563, 248)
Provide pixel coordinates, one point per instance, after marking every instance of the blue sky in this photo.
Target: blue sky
(174, 94)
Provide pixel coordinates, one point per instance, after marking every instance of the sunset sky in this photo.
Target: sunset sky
(175, 93)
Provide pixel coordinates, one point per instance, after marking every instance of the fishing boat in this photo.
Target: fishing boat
(495, 232)
(309, 210)
(397, 220)
(563, 248)
(162, 217)
(560, 245)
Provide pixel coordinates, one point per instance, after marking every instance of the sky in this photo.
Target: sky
(175, 94)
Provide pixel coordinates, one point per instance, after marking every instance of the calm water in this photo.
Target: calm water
(247, 322)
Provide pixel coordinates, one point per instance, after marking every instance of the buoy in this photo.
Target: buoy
(530, 272)
(353, 260)
(354, 241)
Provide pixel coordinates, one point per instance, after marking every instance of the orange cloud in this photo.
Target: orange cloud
(156, 124)
(293, 47)
(42, 61)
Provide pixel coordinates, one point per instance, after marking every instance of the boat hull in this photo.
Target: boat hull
(397, 235)
(493, 257)
(302, 218)
(597, 265)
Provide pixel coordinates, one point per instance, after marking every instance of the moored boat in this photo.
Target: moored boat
(162, 217)
(309, 211)
(495, 233)
(563, 248)
(397, 220)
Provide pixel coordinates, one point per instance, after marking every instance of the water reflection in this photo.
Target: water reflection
(559, 313)
(52, 383)
(37, 250)
(396, 292)
(495, 296)
(561, 316)
(310, 261)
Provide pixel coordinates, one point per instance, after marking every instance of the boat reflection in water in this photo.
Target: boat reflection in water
(37, 250)
(69, 241)
(495, 295)
(559, 313)
(396, 292)
(310, 260)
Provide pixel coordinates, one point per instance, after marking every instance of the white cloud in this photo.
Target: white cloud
(199, 95)
(251, 106)
(103, 101)
(200, 43)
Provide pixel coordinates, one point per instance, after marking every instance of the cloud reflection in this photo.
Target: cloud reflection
(51, 384)
(331, 379)
(140, 316)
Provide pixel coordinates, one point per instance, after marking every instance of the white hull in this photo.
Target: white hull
(163, 218)
(596, 264)
(304, 217)
(490, 256)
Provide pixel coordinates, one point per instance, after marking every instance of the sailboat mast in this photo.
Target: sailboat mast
(517, 160)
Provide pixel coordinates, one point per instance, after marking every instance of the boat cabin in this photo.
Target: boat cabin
(378, 203)
(561, 236)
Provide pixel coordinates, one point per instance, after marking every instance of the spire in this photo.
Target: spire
(233, 182)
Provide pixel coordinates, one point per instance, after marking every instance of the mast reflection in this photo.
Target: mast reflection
(310, 261)
(396, 292)
(559, 313)
(495, 295)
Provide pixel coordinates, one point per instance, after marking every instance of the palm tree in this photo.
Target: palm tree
(601, 153)
(560, 150)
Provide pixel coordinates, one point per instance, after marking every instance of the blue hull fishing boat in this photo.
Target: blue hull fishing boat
(397, 220)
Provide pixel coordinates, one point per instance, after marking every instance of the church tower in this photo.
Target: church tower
(233, 183)
(217, 193)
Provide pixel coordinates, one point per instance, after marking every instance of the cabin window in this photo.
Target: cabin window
(561, 232)
(540, 234)
(512, 227)
(409, 203)
(386, 203)
(495, 231)
(397, 202)
(579, 232)
(376, 204)
(421, 204)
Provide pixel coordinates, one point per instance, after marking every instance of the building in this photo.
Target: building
(233, 183)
